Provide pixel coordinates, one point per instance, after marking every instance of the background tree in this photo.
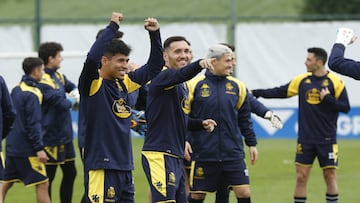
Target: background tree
(330, 9)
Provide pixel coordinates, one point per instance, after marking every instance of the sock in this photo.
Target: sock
(332, 198)
(222, 195)
(50, 172)
(244, 200)
(299, 199)
(67, 183)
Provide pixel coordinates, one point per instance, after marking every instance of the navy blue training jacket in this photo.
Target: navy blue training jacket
(225, 100)
(26, 138)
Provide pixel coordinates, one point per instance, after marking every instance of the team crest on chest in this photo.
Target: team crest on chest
(229, 88)
(325, 83)
(205, 90)
(308, 81)
(120, 108)
(313, 96)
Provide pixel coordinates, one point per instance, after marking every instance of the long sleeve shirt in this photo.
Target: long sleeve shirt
(104, 103)
(342, 65)
(165, 110)
(256, 106)
(317, 118)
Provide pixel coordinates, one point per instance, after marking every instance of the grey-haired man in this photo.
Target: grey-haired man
(219, 156)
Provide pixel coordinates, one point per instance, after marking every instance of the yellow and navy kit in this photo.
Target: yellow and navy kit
(25, 139)
(225, 100)
(56, 118)
(105, 105)
(256, 106)
(7, 110)
(165, 110)
(317, 118)
(344, 66)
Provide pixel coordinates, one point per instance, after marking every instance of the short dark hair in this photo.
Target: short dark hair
(48, 49)
(119, 34)
(319, 53)
(30, 63)
(116, 47)
(172, 39)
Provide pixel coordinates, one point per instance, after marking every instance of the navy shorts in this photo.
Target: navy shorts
(106, 186)
(60, 154)
(69, 152)
(165, 174)
(208, 176)
(327, 154)
(28, 170)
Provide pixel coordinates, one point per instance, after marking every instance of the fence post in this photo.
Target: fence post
(37, 23)
(232, 25)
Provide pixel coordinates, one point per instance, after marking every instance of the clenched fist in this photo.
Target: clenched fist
(151, 24)
(117, 17)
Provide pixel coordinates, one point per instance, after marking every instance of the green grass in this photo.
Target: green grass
(272, 178)
(146, 8)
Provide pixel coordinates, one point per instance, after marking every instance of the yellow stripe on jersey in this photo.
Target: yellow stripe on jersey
(95, 86)
(96, 185)
(157, 170)
(130, 85)
(293, 88)
(26, 88)
(242, 91)
(47, 80)
(61, 77)
(339, 85)
(37, 165)
(191, 88)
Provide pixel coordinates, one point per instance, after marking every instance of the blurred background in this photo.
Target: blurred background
(270, 36)
(271, 39)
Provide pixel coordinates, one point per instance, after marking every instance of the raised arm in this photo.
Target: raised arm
(337, 61)
(92, 62)
(155, 61)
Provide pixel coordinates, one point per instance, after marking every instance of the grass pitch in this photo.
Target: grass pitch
(272, 178)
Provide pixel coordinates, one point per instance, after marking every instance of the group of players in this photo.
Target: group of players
(201, 120)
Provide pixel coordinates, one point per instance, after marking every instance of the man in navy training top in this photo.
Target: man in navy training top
(108, 159)
(322, 95)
